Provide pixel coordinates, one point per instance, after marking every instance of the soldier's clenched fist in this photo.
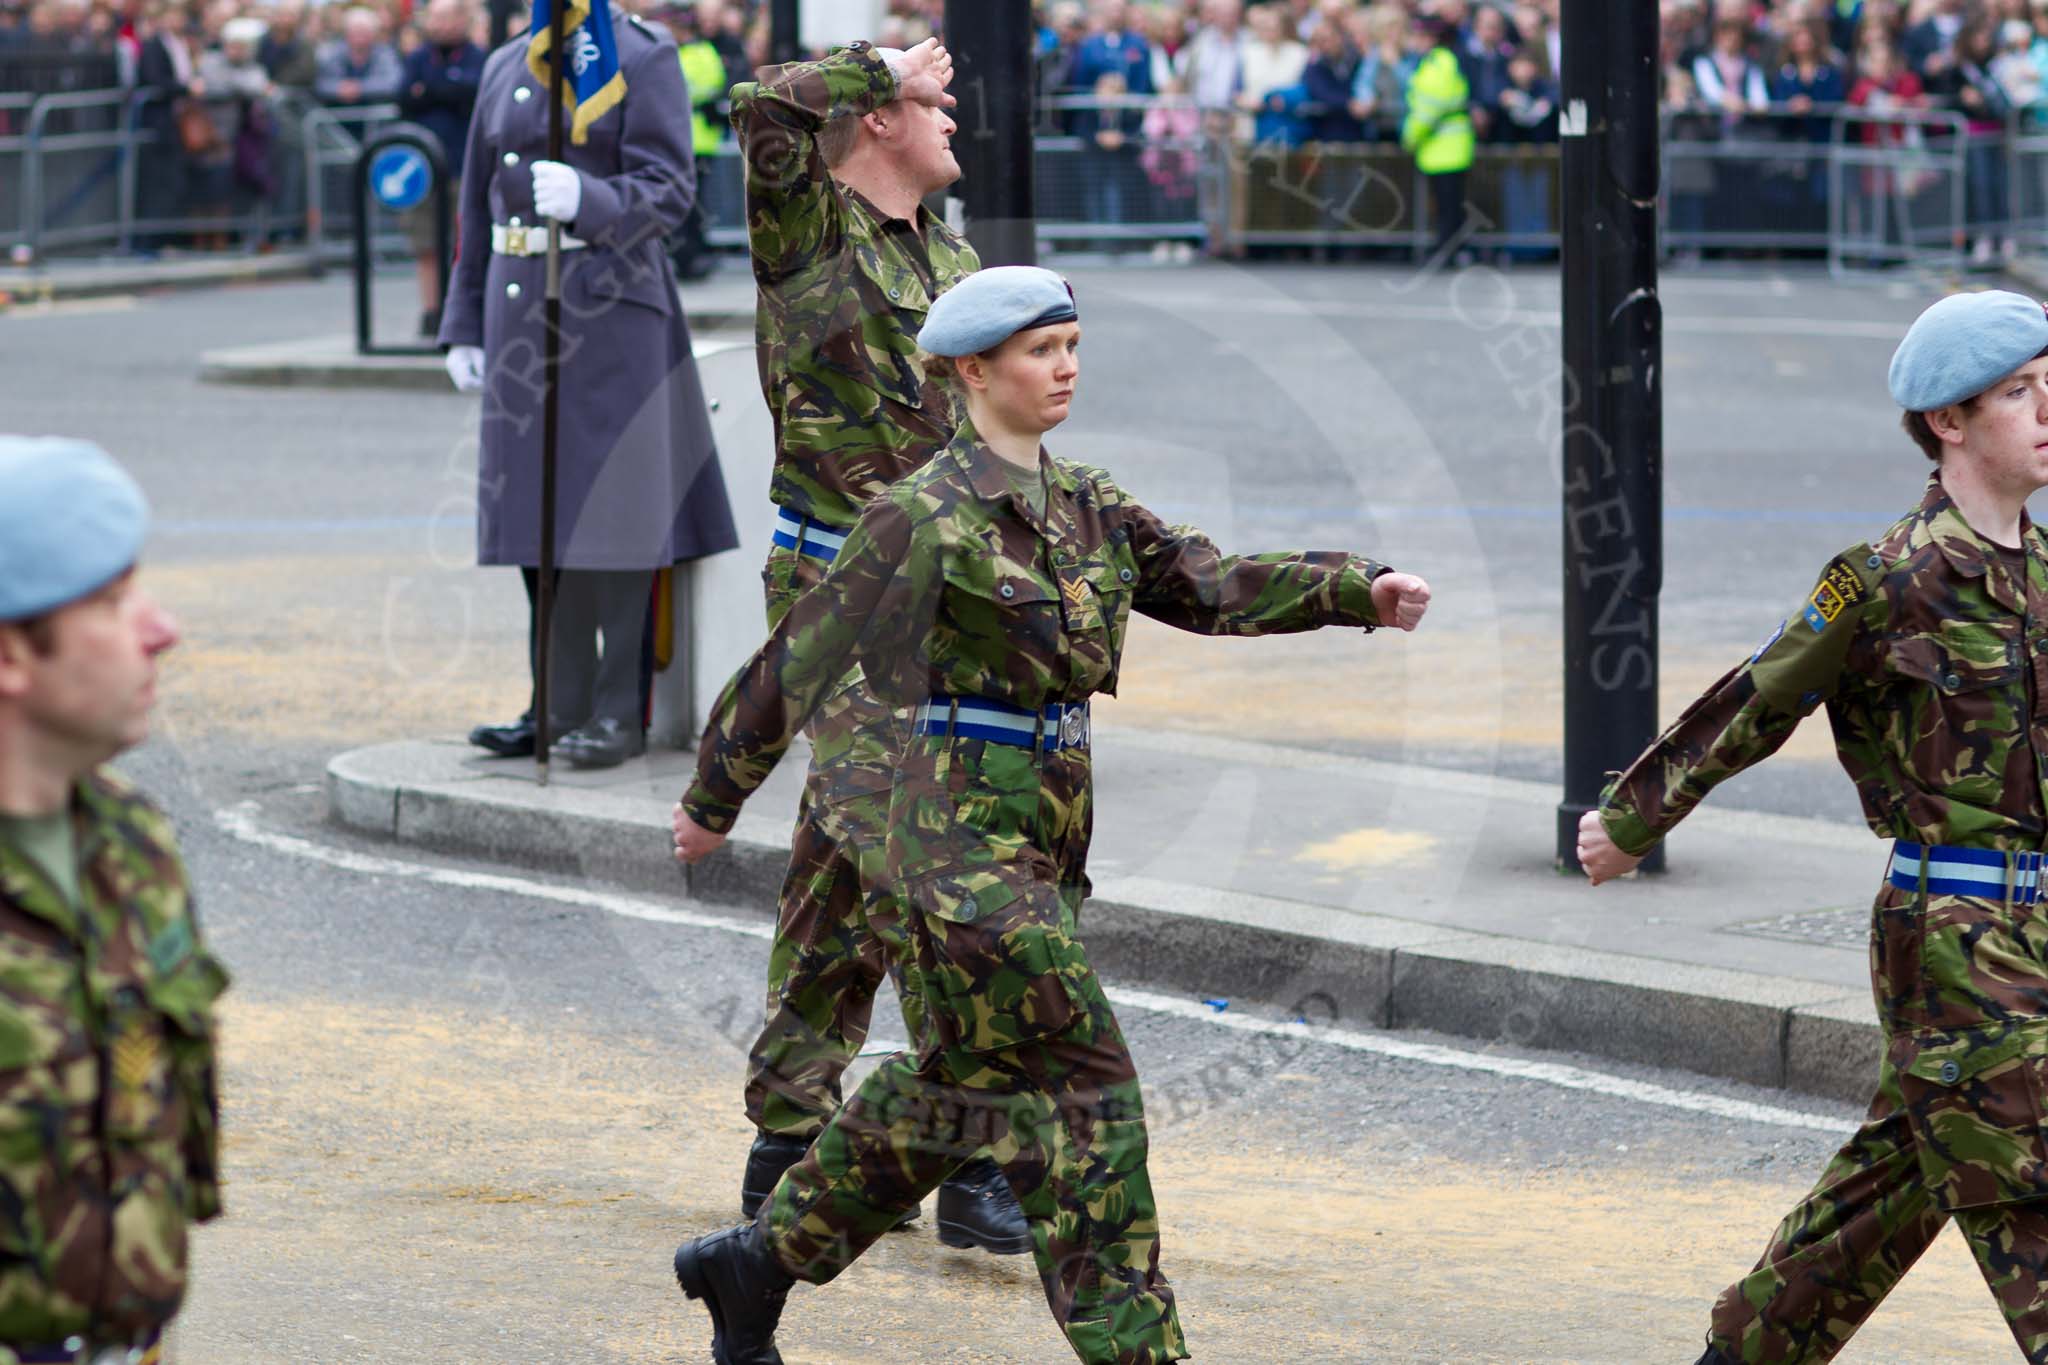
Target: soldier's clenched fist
(693, 842)
(1400, 599)
(1599, 857)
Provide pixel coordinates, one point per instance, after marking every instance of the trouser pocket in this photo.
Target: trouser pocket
(1000, 963)
(1973, 1099)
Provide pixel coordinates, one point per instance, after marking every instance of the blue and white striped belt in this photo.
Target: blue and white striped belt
(1982, 872)
(807, 537)
(1065, 723)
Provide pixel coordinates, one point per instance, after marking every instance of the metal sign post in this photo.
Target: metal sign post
(400, 168)
(991, 42)
(1613, 402)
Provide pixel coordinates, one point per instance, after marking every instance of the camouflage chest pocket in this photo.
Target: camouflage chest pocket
(1002, 615)
(1097, 593)
(899, 302)
(1974, 1102)
(998, 960)
(1965, 707)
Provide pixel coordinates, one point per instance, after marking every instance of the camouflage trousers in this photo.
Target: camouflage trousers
(1021, 1056)
(826, 963)
(1955, 1131)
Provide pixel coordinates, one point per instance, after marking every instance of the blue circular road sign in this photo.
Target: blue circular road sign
(400, 177)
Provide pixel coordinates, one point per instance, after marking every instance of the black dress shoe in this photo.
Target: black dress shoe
(978, 1209)
(602, 743)
(770, 1156)
(506, 741)
(737, 1277)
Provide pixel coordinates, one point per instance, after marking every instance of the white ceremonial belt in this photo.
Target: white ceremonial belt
(517, 239)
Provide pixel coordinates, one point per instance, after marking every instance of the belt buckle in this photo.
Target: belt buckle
(515, 241)
(1073, 727)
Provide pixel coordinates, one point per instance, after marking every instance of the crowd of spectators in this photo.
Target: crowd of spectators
(1135, 81)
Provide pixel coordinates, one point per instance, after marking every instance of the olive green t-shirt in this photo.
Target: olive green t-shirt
(50, 843)
(1029, 483)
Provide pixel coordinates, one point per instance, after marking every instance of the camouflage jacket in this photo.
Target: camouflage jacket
(1922, 646)
(109, 1113)
(950, 583)
(843, 293)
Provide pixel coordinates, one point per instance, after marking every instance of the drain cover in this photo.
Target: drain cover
(1846, 927)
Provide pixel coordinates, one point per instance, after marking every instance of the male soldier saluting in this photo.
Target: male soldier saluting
(840, 154)
(1930, 648)
(106, 1038)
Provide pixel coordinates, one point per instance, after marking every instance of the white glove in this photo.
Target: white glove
(466, 367)
(557, 191)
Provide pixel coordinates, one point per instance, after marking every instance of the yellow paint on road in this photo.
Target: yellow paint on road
(1363, 850)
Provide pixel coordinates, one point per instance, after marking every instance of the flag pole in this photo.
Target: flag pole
(551, 414)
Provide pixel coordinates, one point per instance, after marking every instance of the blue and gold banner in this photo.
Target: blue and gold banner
(593, 82)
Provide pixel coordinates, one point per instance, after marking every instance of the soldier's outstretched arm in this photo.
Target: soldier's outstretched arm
(1744, 718)
(656, 184)
(1186, 582)
(861, 610)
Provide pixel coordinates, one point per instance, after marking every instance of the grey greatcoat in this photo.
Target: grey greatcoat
(639, 485)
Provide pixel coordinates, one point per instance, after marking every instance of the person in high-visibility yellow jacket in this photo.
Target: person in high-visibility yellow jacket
(704, 72)
(1438, 131)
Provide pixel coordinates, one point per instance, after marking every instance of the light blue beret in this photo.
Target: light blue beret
(71, 522)
(991, 306)
(1963, 345)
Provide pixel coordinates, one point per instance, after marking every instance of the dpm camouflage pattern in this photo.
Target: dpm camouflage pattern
(843, 294)
(1029, 1065)
(825, 964)
(1930, 651)
(951, 583)
(109, 1112)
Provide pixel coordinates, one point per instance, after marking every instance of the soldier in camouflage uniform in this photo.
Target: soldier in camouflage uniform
(989, 593)
(1929, 647)
(847, 261)
(107, 1091)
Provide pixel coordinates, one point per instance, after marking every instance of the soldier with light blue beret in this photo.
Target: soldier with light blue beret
(106, 1010)
(987, 596)
(1929, 647)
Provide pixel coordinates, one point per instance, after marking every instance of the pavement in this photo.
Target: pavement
(62, 278)
(1248, 874)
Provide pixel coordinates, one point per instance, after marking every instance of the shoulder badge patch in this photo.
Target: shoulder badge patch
(1839, 588)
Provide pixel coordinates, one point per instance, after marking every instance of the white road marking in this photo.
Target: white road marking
(1434, 1054)
(240, 823)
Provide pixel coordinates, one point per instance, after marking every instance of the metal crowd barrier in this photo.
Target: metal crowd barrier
(1897, 183)
(1899, 188)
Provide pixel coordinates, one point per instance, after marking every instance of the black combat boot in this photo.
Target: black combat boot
(1716, 1356)
(737, 1277)
(770, 1156)
(977, 1209)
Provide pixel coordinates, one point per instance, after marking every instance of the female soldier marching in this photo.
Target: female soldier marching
(990, 592)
